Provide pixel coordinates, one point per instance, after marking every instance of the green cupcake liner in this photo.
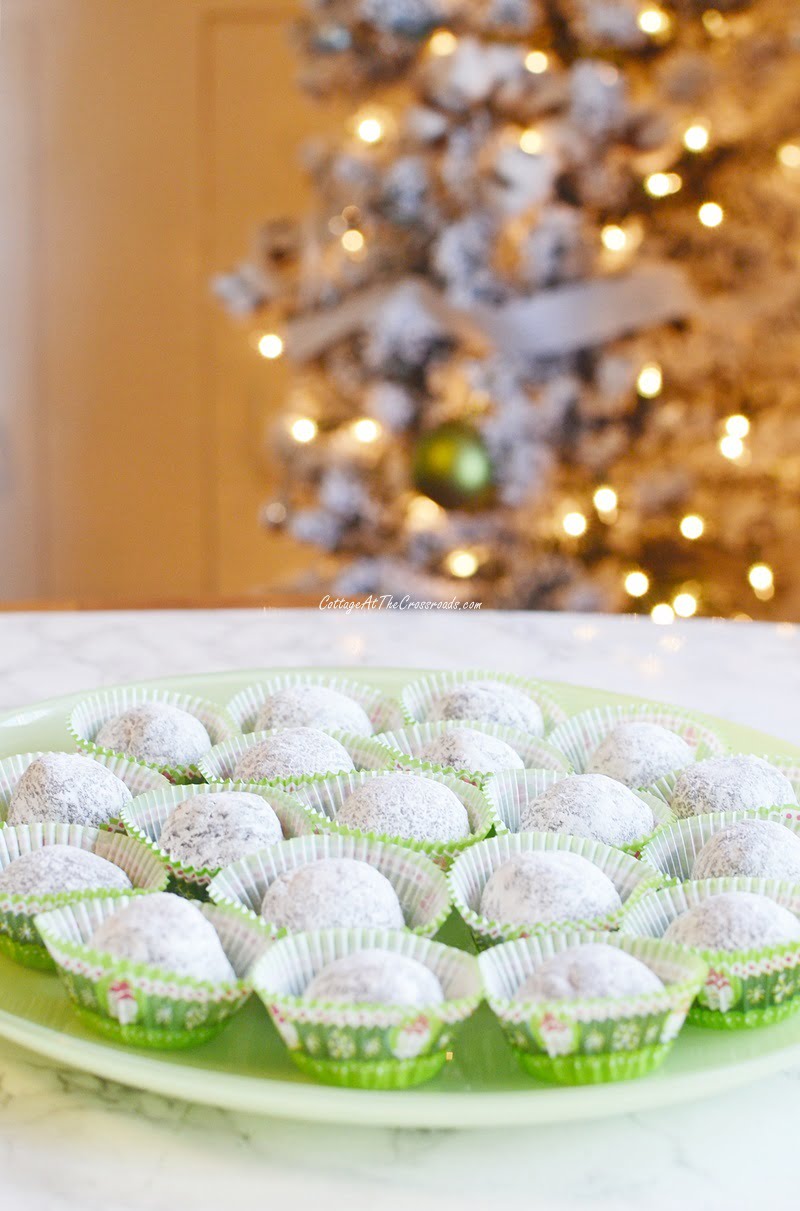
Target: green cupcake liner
(578, 737)
(420, 885)
(383, 712)
(364, 1046)
(472, 870)
(89, 716)
(387, 1074)
(417, 698)
(325, 797)
(673, 850)
(536, 754)
(365, 752)
(146, 816)
(597, 1039)
(743, 988)
(510, 793)
(19, 937)
(138, 778)
(664, 788)
(140, 1004)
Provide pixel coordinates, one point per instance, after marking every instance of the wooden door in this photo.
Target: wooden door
(140, 144)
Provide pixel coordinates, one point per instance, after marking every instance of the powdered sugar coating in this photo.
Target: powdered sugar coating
(727, 784)
(489, 702)
(292, 753)
(467, 748)
(376, 977)
(538, 887)
(593, 969)
(638, 753)
(165, 931)
(217, 829)
(313, 706)
(157, 732)
(69, 789)
(755, 849)
(61, 868)
(734, 920)
(405, 806)
(589, 805)
(332, 893)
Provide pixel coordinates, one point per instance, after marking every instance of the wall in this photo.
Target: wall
(140, 143)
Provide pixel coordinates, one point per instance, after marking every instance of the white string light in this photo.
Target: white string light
(462, 564)
(270, 346)
(304, 430)
(636, 584)
(574, 524)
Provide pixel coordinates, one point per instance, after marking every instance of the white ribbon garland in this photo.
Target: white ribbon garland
(551, 323)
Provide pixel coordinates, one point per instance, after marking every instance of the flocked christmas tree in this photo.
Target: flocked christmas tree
(546, 317)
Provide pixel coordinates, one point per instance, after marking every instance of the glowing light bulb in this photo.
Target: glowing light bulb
(662, 614)
(737, 425)
(531, 141)
(605, 500)
(731, 447)
(789, 155)
(636, 584)
(760, 577)
(715, 24)
(650, 380)
(366, 430)
(613, 237)
(692, 526)
(353, 240)
(711, 214)
(696, 137)
(653, 21)
(685, 605)
(442, 42)
(662, 184)
(370, 130)
(536, 62)
(462, 564)
(574, 524)
(304, 430)
(423, 513)
(270, 346)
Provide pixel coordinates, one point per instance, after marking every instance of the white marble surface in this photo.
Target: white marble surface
(72, 1142)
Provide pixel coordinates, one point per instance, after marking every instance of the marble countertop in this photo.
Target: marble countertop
(73, 1142)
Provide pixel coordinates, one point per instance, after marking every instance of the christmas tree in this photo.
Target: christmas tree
(545, 315)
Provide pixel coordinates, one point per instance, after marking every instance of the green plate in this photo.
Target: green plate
(246, 1067)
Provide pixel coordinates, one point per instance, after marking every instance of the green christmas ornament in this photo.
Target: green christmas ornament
(452, 465)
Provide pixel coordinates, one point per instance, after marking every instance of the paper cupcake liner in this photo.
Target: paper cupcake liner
(420, 885)
(672, 851)
(365, 752)
(597, 1039)
(325, 797)
(409, 741)
(664, 788)
(138, 778)
(89, 716)
(383, 712)
(146, 817)
(418, 697)
(510, 793)
(140, 1004)
(364, 1046)
(743, 988)
(19, 937)
(473, 868)
(578, 737)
